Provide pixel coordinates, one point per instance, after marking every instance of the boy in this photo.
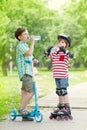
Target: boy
(25, 68)
(60, 58)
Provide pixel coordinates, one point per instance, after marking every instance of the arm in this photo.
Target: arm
(31, 49)
(53, 50)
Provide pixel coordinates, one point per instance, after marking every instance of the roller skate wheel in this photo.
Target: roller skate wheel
(58, 118)
(71, 118)
(62, 118)
(50, 117)
(66, 118)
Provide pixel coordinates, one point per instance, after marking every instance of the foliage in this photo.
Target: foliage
(40, 20)
(33, 15)
(74, 19)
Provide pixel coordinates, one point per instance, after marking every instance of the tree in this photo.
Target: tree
(31, 14)
(73, 21)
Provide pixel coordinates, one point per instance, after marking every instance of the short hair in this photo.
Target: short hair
(18, 32)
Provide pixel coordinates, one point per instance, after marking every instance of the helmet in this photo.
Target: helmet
(65, 36)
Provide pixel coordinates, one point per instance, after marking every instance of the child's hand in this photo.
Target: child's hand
(32, 37)
(62, 49)
(70, 54)
(35, 62)
(47, 52)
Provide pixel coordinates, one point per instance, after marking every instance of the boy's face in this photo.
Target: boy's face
(62, 42)
(24, 36)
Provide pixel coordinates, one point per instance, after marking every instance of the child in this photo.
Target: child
(60, 58)
(25, 68)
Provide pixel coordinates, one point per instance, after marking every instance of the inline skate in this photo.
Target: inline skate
(62, 113)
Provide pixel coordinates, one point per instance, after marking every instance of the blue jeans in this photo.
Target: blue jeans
(61, 82)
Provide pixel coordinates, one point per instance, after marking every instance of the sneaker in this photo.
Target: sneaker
(23, 111)
(27, 119)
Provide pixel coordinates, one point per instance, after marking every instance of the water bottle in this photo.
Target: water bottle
(37, 38)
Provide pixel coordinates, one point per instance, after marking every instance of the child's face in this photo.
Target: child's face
(24, 36)
(62, 42)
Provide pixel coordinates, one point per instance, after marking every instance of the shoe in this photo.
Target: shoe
(23, 111)
(27, 119)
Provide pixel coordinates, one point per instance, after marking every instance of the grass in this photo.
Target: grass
(10, 88)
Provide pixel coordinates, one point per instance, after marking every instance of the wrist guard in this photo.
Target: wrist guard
(70, 54)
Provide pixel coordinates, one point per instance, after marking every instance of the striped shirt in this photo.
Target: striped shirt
(59, 63)
(24, 63)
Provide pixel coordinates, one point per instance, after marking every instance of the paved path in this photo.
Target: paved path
(78, 100)
(77, 97)
(78, 123)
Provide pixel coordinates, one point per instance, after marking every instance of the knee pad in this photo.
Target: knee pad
(61, 92)
(58, 92)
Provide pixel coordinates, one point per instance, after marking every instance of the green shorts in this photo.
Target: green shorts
(27, 83)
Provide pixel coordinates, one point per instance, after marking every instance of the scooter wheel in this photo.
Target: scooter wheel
(13, 114)
(38, 117)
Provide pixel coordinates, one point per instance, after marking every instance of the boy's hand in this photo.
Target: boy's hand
(47, 52)
(32, 38)
(70, 54)
(61, 48)
(35, 62)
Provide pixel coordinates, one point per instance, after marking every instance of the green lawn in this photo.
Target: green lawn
(10, 87)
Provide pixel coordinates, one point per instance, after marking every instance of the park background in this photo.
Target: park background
(46, 18)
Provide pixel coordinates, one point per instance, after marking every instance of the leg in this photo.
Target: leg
(66, 103)
(26, 97)
(58, 90)
(61, 99)
(63, 90)
(26, 92)
(66, 99)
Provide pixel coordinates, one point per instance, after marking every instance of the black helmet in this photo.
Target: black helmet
(65, 36)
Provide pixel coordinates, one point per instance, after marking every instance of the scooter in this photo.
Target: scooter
(35, 113)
